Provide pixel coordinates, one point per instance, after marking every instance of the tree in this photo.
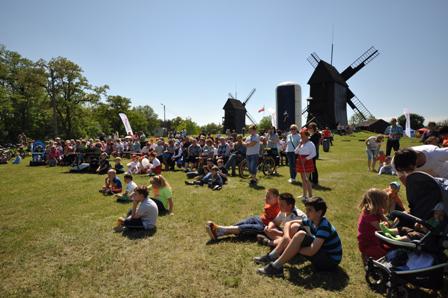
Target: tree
(212, 128)
(356, 119)
(265, 123)
(415, 119)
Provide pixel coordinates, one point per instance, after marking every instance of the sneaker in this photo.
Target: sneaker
(291, 180)
(263, 260)
(217, 187)
(118, 229)
(270, 270)
(189, 182)
(211, 230)
(263, 240)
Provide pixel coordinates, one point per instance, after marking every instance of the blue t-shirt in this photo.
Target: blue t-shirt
(332, 244)
(117, 182)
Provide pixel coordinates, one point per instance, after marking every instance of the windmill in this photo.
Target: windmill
(330, 93)
(235, 113)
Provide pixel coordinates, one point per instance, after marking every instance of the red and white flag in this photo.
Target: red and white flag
(261, 110)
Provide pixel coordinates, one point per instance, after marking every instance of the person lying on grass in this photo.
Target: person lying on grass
(314, 238)
(274, 230)
(112, 184)
(250, 226)
(142, 216)
(162, 194)
(130, 187)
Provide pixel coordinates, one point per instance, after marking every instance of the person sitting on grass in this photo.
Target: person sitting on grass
(386, 167)
(394, 202)
(134, 165)
(222, 171)
(251, 226)
(162, 194)
(213, 179)
(130, 187)
(438, 224)
(372, 206)
(142, 216)
(104, 164)
(119, 168)
(155, 167)
(314, 238)
(54, 156)
(17, 160)
(112, 184)
(274, 230)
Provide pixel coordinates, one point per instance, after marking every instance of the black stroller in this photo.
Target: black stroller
(421, 263)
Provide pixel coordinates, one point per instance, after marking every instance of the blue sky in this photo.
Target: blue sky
(190, 54)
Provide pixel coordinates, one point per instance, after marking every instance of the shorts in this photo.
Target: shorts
(371, 154)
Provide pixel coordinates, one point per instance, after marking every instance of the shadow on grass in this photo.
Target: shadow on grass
(138, 234)
(308, 278)
(321, 187)
(233, 239)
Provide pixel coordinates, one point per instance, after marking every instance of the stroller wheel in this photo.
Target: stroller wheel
(396, 292)
(376, 279)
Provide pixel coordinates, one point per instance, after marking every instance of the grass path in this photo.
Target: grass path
(57, 240)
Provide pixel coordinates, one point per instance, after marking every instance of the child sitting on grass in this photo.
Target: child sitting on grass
(134, 165)
(119, 168)
(213, 179)
(386, 167)
(104, 164)
(155, 167)
(394, 202)
(130, 187)
(112, 184)
(372, 206)
(142, 216)
(252, 225)
(17, 160)
(162, 194)
(438, 223)
(288, 212)
(314, 238)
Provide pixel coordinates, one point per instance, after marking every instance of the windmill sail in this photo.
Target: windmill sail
(359, 63)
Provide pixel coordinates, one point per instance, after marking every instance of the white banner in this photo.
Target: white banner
(407, 115)
(126, 123)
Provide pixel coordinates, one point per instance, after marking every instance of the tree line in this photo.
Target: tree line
(52, 98)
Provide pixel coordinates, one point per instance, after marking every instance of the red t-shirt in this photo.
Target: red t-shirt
(366, 231)
(269, 213)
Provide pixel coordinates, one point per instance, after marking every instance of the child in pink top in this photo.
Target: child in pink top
(372, 208)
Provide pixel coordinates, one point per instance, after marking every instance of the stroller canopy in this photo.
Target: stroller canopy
(424, 192)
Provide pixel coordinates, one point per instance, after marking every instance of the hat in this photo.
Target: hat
(439, 207)
(395, 184)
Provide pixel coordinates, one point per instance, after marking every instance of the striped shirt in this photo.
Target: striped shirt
(332, 244)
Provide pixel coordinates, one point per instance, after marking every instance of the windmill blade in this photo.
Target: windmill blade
(249, 96)
(250, 118)
(313, 59)
(359, 63)
(231, 96)
(358, 107)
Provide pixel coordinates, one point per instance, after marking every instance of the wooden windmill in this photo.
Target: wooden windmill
(235, 113)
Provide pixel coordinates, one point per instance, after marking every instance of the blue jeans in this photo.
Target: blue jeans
(251, 226)
(252, 163)
(292, 164)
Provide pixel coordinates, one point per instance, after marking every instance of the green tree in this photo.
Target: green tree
(415, 119)
(265, 123)
(212, 128)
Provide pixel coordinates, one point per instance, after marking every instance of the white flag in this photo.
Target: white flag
(272, 112)
(407, 115)
(126, 123)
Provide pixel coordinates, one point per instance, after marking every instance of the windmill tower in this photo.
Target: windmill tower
(330, 93)
(235, 113)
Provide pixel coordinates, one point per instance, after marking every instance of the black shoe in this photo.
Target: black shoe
(270, 270)
(189, 182)
(263, 260)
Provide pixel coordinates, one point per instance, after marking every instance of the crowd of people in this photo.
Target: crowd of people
(283, 227)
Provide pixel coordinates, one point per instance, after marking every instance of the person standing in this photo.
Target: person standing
(252, 144)
(315, 137)
(292, 141)
(394, 133)
(273, 141)
(373, 145)
(306, 152)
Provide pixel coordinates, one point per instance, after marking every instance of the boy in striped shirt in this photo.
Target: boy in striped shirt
(314, 238)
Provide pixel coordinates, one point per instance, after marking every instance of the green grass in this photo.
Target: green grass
(57, 240)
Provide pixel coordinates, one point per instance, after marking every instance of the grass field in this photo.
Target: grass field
(57, 240)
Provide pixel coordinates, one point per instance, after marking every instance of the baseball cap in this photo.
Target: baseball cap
(395, 184)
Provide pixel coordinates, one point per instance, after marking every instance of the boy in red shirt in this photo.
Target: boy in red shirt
(252, 225)
(394, 201)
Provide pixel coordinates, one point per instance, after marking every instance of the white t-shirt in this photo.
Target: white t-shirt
(148, 212)
(306, 149)
(155, 163)
(256, 148)
(372, 144)
(130, 187)
(282, 218)
(436, 163)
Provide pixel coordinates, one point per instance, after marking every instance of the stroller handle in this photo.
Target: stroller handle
(409, 218)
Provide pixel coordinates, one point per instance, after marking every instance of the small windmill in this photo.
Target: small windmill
(235, 113)
(330, 94)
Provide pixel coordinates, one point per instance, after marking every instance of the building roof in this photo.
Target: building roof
(325, 72)
(235, 104)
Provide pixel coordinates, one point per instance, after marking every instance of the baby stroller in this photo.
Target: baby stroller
(38, 154)
(421, 263)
